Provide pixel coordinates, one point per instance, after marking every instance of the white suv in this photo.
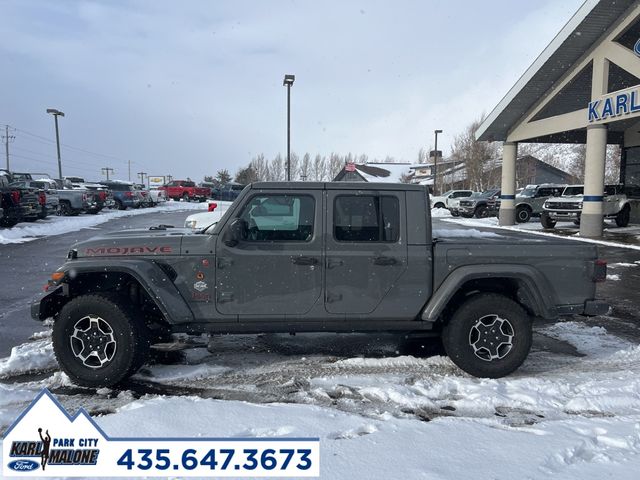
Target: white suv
(568, 207)
(442, 201)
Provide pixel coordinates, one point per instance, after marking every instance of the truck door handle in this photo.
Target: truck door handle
(302, 260)
(385, 261)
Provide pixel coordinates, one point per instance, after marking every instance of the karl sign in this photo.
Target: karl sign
(623, 102)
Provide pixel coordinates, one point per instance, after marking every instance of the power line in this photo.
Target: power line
(88, 152)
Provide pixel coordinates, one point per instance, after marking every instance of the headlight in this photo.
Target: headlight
(190, 224)
(580, 205)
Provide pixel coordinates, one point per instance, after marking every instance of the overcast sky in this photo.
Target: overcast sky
(189, 87)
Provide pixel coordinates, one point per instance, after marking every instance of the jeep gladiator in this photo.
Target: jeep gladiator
(308, 257)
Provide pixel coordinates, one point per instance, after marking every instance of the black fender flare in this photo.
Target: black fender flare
(147, 273)
(533, 287)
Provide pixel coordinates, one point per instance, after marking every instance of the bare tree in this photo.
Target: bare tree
(479, 158)
(246, 175)
(277, 169)
(305, 167)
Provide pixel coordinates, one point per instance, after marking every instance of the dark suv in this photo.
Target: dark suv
(124, 194)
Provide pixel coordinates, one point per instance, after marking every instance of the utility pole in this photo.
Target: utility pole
(129, 162)
(106, 170)
(141, 175)
(57, 113)
(7, 138)
(435, 164)
(288, 82)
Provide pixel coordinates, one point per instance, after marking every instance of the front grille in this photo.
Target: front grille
(562, 206)
(466, 203)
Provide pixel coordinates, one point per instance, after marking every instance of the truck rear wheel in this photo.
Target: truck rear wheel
(98, 341)
(488, 336)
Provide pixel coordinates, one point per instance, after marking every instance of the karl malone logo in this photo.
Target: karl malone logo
(64, 441)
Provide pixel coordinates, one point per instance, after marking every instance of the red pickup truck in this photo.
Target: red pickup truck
(186, 190)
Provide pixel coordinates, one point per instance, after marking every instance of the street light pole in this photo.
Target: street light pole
(435, 163)
(57, 113)
(288, 82)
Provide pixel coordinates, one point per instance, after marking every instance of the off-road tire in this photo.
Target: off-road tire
(523, 214)
(481, 212)
(120, 205)
(454, 214)
(185, 197)
(439, 205)
(130, 335)
(623, 216)
(465, 348)
(546, 221)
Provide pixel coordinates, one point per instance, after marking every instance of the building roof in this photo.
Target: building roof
(580, 33)
(379, 172)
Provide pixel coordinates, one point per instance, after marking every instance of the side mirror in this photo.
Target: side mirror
(236, 232)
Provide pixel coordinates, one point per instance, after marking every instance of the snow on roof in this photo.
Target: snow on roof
(383, 172)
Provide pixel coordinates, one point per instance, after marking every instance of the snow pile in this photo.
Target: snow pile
(53, 225)
(440, 212)
(463, 233)
(33, 356)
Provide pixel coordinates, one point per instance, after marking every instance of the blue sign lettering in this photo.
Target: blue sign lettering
(593, 111)
(634, 106)
(621, 104)
(607, 110)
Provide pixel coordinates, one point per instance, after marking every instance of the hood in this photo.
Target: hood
(133, 243)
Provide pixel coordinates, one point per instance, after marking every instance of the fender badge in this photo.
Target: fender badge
(200, 286)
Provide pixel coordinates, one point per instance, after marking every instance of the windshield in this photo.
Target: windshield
(527, 192)
(572, 191)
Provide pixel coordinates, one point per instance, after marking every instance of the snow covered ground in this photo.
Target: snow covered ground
(573, 413)
(53, 225)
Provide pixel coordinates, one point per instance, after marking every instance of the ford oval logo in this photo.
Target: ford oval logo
(23, 465)
(636, 48)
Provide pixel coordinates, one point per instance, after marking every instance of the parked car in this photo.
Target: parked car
(442, 201)
(186, 190)
(480, 205)
(229, 191)
(157, 196)
(124, 194)
(98, 197)
(47, 196)
(568, 207)
(18, 203)
(73, 200)
(207, 219)
(143, 195)
(530, 200)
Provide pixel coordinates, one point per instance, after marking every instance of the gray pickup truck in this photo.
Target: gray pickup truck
(309, 257)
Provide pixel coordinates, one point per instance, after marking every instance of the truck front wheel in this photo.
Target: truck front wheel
(98, 341)
(547, 221)
(488, 336)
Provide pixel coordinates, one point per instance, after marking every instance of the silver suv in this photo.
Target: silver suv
(568, 207)
(529, 202)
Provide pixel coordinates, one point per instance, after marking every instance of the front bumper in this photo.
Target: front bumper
(566, 215)
(48, 303)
